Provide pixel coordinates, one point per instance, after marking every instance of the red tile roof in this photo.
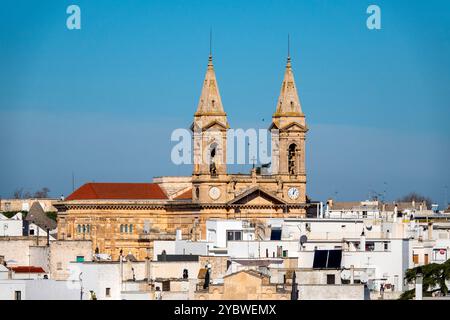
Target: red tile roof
(185, 195)
(27, 269)
(124, 191)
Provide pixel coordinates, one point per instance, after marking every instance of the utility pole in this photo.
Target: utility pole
(445, 197)
(121, 269)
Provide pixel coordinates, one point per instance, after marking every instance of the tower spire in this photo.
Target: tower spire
(210, 101)
(288, 101)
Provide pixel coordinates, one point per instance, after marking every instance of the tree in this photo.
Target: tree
(434, 279)
(43, 193)
(414, 196)
(18, 193)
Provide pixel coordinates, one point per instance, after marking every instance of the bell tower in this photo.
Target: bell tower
(288, 141)
(210, 137)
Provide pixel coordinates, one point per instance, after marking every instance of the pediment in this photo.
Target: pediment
(294, 126)
(257, 196)
(213, 125)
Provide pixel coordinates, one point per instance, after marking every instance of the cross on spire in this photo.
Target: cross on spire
(210, 41)
(288, 49)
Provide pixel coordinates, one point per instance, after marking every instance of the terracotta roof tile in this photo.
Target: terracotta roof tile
(124, 191)
(185, 195)
(27, 269)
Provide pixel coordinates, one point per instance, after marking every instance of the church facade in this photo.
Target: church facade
(127, 217)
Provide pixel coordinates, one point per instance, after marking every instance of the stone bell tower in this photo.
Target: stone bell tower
(209, 128)
(288, 141)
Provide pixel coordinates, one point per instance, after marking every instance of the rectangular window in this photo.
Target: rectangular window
(31, 232)
(364, 214)
(80, 258)
(386, 246)
(108, 292)
(426, 258)
(17, 295)
(416, 258)
(370, 246)
(166, 285)
(59, 266)
(234, 235)
(331, 279)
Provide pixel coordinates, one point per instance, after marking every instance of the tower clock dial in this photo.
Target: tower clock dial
(293, 193)
(214, 193)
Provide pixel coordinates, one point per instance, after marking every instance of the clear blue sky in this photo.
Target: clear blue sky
(102, 101)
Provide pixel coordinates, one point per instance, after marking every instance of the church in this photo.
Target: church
(125, 218)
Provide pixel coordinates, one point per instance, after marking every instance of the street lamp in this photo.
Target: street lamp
(81, 285)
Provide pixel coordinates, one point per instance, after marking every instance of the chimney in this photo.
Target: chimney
(430, 231)
(330, 203)
(362, 242)
(395, 212)
(179, 235)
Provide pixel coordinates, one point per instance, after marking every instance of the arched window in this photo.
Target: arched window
(121, 228)
(197, 192)
(212, 159)
(79, 228)
(292, 159)
(84, 228)
(131, 228)
(125, 228)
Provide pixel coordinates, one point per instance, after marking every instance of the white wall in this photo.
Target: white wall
(11, 228)
(257, 249)
(390, 264)
(160, 245)
(331, 292)
(173, 269)
(216, 231)
(97, 277)
(38, 290)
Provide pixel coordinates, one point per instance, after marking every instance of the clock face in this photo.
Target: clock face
(293, 193)
(214, 193)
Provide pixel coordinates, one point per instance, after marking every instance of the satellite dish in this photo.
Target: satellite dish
(346, 274)
(369, 227)
(303, 239)
(364, 278)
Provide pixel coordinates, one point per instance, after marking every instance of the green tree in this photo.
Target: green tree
(434, 279)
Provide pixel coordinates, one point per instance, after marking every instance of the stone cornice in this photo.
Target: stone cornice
(169, 206)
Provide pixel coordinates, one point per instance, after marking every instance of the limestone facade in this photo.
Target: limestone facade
(244, 285)
(128, 217)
